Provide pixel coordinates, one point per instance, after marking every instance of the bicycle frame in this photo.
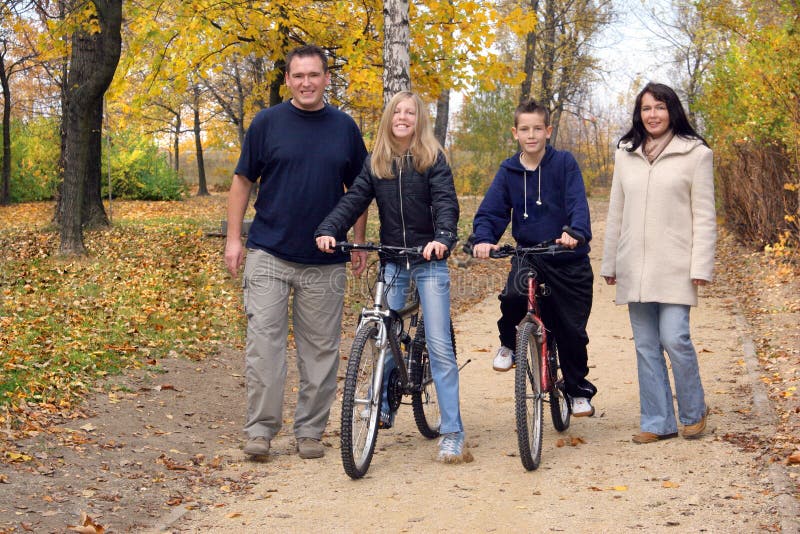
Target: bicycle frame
(534, 316)
(387, 322)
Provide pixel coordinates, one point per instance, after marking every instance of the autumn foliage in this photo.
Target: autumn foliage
(153, 286)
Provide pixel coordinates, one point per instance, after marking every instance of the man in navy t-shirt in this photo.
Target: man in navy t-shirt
(303, 153)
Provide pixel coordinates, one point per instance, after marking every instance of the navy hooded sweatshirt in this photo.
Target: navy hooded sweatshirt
(557, 183)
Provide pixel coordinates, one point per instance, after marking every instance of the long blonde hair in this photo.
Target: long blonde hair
(424, 147)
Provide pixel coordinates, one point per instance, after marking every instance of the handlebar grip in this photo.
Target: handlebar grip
(573, 234)
(502, 252)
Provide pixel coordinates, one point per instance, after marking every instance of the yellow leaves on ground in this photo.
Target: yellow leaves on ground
(87, 526)
(573, 441)
(154, 286)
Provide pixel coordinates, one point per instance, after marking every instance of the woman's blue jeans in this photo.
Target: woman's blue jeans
(657, 328)
(433, 284)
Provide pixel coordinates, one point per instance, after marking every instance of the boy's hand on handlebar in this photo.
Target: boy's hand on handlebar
(326, 243)
(482, 250)
(567, 241)
(434, 250)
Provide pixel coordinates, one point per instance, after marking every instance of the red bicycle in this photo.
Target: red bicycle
(538, 377)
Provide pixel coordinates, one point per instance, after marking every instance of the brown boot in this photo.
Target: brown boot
(648, 437)
(696, 430)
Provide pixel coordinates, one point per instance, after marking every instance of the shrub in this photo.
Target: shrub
(35, 149)
(140, 172)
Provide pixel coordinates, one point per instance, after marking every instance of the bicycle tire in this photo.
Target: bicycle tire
(559, 402)
(528, 397)
(358, 433)
(425, 402)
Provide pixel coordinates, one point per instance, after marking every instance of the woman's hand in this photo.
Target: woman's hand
(611, 280)
(326, 243)
(434, 247)
(482, 250)
(699, 282)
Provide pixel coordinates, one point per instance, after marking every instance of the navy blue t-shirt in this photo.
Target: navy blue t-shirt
(303, 159)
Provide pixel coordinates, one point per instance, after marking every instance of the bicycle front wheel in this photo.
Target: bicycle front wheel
(528, 397)
(559, 403)
(424, 401)
(361, 404)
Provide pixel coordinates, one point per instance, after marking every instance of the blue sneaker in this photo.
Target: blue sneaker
(451, 448)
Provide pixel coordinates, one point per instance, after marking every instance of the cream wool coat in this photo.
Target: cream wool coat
(661, 227)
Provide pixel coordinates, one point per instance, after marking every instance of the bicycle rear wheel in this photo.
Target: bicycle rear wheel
(361, 405)
(528, 397)
(425, 402)
(559, 402)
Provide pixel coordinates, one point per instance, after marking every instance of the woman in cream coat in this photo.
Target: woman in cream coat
(659, 247)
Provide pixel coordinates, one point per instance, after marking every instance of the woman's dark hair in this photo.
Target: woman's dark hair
(677, 117)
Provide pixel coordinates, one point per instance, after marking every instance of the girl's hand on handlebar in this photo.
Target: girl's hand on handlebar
(567, 241)
(611, 280)
(434, 250)
(326, 243)
(482, 250)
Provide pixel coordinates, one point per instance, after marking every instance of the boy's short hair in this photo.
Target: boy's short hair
(531, 106)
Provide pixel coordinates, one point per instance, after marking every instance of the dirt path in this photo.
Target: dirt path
(158, 450)
(596, 481)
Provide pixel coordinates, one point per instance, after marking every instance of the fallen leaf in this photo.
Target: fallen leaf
(668, 484)
(233, 515)
(620, 488)
(560, 442)
(793, 458)
(87, 526)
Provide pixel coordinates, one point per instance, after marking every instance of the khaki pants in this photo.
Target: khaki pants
(318, 292)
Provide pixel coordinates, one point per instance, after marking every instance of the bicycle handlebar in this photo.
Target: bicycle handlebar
(346, 246)
(547, 247)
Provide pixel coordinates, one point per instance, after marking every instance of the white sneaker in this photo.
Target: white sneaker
(581, 407)
(503, 360)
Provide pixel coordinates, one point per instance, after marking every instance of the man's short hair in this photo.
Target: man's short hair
(532, 106)
(307, 51)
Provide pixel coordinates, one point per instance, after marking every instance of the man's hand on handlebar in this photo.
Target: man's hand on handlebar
(482, 250)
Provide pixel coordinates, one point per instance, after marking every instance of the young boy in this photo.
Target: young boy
(540, 189)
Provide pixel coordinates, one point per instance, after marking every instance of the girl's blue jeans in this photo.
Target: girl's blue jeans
(433, 284)
(657, 328)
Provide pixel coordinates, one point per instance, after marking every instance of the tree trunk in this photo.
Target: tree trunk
(279, 69)
(530, 59)
(442, 116)
(202, 187)
(93, 61)
(176, 142)
(549, 59)
(5, 189)
(396, 57)
(94, 214)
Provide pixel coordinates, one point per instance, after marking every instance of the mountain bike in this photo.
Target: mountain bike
(538, 377)
(382, 331)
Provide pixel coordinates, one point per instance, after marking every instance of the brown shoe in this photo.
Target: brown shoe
(309, 448)
(257, 446)
(696, 430)
(648, 437)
